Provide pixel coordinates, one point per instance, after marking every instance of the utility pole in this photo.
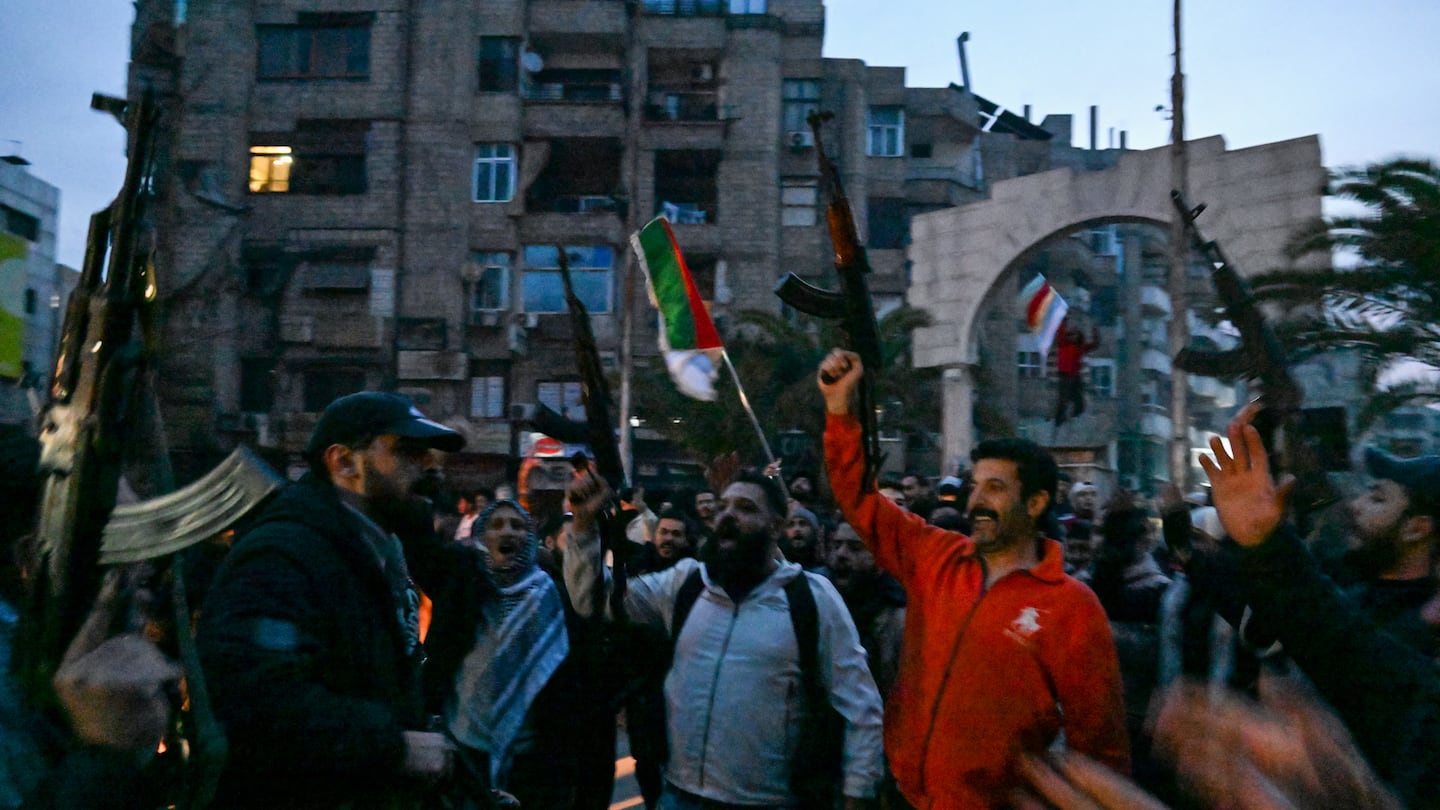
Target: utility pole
(1179, 332)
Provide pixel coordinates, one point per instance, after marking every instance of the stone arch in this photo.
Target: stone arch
(1256, 198)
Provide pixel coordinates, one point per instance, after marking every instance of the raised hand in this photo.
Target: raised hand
(837, 377)
(1250, 503)
(587, 494)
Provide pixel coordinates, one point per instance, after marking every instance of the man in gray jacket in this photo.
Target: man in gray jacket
(736, 693)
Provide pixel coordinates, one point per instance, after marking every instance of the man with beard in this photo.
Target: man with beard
(671, 545)
(706, 505)
(739, 702)
(309, 636)
(802, 539)
(1002, 651)
(876, 602)
(1392, 544)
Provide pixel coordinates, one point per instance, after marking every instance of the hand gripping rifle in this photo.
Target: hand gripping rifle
(1260, 357)
(851, 305)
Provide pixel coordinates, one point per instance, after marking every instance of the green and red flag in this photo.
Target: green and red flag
(688, 337)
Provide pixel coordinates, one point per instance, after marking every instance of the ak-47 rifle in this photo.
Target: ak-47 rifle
(1259, 357)
(90, 406)
(594, 388)
(851, 305)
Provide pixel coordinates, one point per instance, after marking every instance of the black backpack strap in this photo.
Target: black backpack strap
(805, 619)
(684, 600)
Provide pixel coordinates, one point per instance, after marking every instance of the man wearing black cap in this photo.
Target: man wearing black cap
(1394, 523)
(309, 636)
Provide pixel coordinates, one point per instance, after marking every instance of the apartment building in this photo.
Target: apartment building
(373, 193)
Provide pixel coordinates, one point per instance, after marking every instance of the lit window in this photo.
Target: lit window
(270, 168)
(590, 269)
(885, 128)
(494, 176)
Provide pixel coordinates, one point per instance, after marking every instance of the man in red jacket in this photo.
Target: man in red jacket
(1070, 351)
(1002, 650)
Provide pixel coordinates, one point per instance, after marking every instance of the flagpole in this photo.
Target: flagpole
(750, 412)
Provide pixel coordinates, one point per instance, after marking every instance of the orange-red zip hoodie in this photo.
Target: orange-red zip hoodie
(984, 673)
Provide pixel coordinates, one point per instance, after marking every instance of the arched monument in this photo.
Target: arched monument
(1256, 199)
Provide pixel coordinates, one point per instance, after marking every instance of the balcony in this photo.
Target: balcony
(1154, 301)
(685, 8)
(604, 88)
(1156, 361)
(685, 107)
(1155, 424)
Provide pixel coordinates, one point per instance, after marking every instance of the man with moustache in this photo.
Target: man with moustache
(802, 539)
(876, 602)
(672, 544)
(1394, 524)
(735, 697)
(309, 634)
(1002, 650)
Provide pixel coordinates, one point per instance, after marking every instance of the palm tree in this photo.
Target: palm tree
(1387, 307)
(776, 361)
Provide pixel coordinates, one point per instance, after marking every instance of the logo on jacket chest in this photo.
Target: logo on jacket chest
(1025, 625)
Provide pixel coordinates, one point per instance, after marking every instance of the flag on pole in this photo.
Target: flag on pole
(1043, 310)
(688, 337)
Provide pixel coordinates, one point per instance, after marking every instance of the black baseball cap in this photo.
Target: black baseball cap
(1419, 476)
(370, 413)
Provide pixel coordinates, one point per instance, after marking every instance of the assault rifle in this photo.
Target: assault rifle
(594, 388)
(1260, 357)
(851, 305)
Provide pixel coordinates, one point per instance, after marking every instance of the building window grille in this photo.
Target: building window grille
(499, 64)
(494, 175)
(338, 48)
(491, 289)
(798, 198)
(885, 128)
(591, 267)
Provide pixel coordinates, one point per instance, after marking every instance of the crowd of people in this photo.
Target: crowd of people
(1001, 637)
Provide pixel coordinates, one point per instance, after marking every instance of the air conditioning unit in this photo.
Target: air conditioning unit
(703, 72)
(800, 139)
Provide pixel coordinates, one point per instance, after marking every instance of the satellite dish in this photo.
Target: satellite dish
(531, 61)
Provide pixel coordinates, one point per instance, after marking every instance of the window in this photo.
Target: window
(686, 187)
(1100, 377)
(683, 8)
(333, 46)
(1031, 364)
(747, 6)
(20, 223)
(797, 201)
(323, 386)
(319, 157)
(30, 300)
(257, 384)
(800, 97)
(491, 288)
(494, 176)
(590, 269)
(886, 221)
(499, 64)
(487, 397)
(563, 397)
(885, 128)
(922, 150)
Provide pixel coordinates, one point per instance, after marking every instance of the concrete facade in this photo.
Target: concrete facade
(960, 257)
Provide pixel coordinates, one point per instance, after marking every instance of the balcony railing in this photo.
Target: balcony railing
(685, 8)
(575, 91)
(690, 106)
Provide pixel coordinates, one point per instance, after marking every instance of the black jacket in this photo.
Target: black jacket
(1386, 693)
(307, 662)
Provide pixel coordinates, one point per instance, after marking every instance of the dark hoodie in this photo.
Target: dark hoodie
(310, 665)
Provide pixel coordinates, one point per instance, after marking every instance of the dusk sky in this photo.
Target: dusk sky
(1364, 76)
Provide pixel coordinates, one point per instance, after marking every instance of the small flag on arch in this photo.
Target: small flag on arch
(688, 337)
(1043, 309)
